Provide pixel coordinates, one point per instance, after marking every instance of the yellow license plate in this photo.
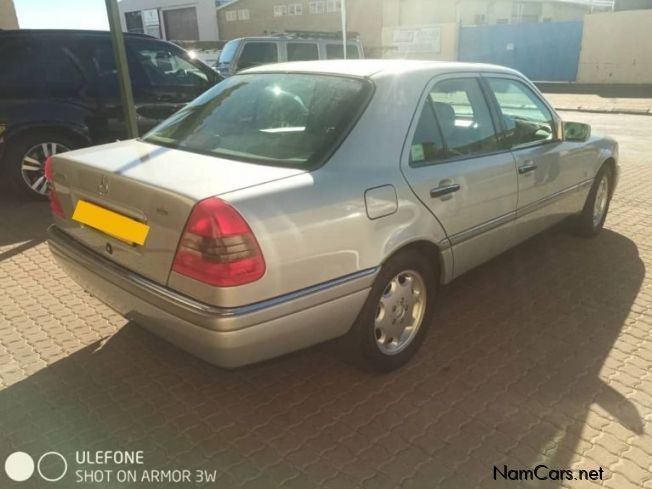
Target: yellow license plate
(111, 223)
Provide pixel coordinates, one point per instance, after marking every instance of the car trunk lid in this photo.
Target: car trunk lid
(151, 185)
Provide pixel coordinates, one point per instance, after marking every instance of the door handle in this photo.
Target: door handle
(444, 190)
(527, 168)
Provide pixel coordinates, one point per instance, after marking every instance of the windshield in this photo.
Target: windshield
(275, 119)
(228, 52)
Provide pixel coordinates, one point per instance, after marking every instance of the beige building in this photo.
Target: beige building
(616, 48)
(8, 19)
(429, 29)
(259, 17)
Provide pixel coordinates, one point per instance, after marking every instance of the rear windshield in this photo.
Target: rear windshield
(275, 119)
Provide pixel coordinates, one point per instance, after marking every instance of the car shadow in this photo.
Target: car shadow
(23, 222)
(512, 373)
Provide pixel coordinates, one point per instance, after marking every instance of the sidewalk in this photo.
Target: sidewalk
(595, 103)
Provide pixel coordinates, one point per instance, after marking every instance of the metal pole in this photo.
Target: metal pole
(124, 81)
(344, 27)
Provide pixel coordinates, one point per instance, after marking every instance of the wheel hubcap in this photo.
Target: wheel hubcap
(601, 199)
(32, 166)
(400, 312)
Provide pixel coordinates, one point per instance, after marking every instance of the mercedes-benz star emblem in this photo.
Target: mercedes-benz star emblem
(103, 185)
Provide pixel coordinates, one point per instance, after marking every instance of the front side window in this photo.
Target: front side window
(302, 51)
(257, 53)
(275, 119)
(526, 118)
(165, 67)
(464, 117)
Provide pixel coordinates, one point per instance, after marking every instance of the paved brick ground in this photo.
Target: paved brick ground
(541, 356)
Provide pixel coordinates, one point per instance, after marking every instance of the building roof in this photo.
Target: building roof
(227, 5)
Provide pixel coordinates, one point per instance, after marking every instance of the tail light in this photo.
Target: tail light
(55, 205)
(217, 247)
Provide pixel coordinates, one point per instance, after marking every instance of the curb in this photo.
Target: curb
(612, 110)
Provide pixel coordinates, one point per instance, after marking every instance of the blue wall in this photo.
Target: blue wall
(547, 51)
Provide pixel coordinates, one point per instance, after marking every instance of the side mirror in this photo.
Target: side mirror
(576, 131)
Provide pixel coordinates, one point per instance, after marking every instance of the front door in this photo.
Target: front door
(457, 168)
(545, 180)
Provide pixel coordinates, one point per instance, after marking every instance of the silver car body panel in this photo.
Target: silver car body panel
(227, 337)
(338, 222)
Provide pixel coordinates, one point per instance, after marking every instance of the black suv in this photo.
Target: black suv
(59, 91)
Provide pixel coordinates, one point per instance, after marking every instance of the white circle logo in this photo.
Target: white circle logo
(19, 466)
(52, 454)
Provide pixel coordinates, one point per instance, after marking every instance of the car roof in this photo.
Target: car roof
(69, 33)
(377, 68)
(289, 37)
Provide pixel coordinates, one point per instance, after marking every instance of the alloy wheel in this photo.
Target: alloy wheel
(400, 312)
(32, 166)
(601, 200)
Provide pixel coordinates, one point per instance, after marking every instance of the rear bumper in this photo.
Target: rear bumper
(227, 337)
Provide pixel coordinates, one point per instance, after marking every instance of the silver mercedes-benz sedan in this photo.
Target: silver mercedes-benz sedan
(296, 203)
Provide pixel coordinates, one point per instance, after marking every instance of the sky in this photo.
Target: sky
(61, 14)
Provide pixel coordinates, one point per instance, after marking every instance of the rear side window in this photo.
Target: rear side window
(64, 71)
(22, 62)
(290, 120)
(464, 117)
(258, 53)
(302, 51)
(336, 51)
(427, 143)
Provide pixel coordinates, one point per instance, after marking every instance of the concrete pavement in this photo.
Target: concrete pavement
(542, 356)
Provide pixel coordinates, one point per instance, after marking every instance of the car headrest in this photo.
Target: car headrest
(445, 115)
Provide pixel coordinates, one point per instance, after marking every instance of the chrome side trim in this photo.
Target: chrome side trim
(60, 241)
(510, 216)
(535, 206)
(482, 228)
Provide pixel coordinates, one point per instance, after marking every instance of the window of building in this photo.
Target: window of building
(243, 14)
(295, 9)
(333, 6)
(280, 10)
(302, 51)
(134, 21)
(317, 6)
(231, 15)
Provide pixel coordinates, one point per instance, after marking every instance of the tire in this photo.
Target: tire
(374, 337)
(25, 157)
(591, 220)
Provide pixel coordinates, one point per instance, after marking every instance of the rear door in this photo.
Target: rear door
(457, 168)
